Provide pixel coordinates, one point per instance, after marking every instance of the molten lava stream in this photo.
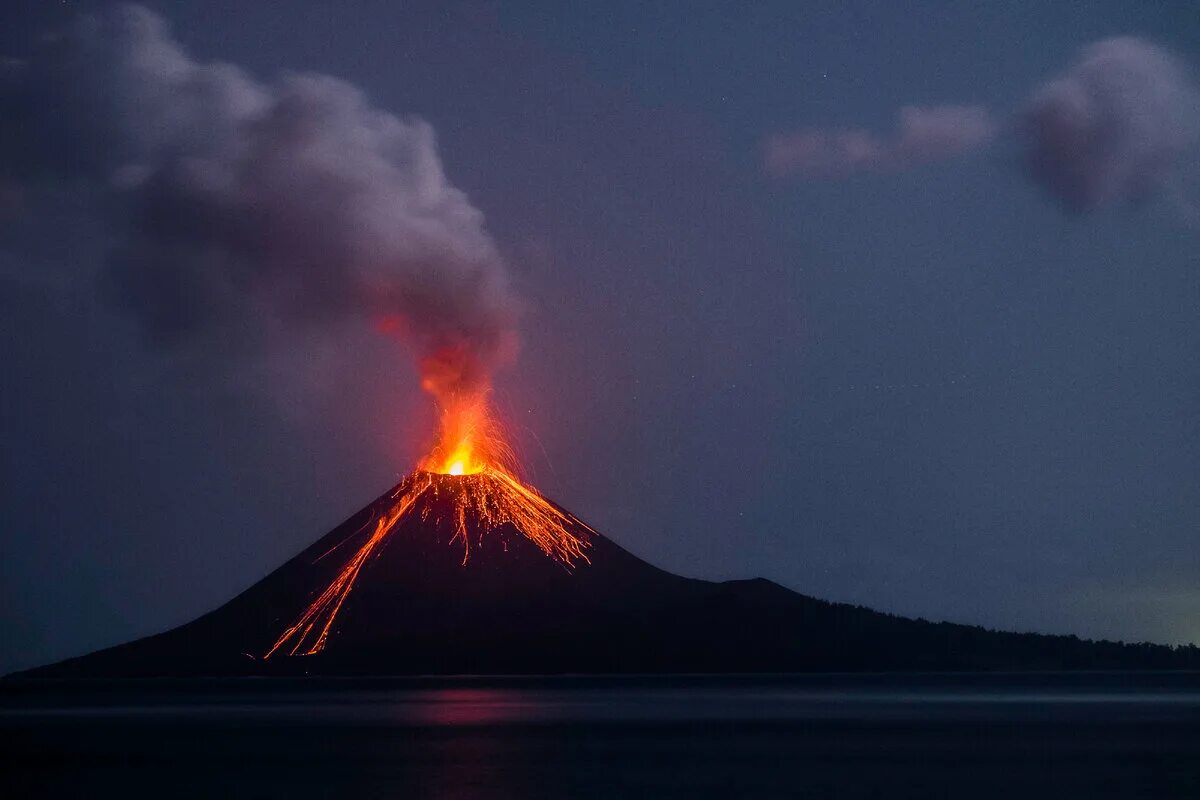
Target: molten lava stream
(327, 605)
(485, 492)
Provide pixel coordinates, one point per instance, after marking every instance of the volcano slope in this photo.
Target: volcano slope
(417, 607)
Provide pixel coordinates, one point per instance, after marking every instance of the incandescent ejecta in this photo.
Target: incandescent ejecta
(480, 497)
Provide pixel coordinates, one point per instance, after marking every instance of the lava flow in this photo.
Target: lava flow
(485, 494)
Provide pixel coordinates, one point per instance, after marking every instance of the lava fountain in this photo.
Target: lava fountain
(472, 464)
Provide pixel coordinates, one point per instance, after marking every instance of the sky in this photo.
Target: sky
(819, 292)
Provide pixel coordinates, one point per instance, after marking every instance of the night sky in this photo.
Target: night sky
(892, 366)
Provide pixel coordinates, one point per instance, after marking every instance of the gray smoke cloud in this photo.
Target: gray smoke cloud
(922, 135)
(1113, 127)
(233, 202)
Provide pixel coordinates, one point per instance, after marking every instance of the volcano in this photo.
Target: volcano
(453, 585)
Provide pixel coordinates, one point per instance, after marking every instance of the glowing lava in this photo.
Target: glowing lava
(484, 495)
(469, 441)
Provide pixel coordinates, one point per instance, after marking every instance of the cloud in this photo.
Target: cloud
(922, 135)
(240, 207)
(1112, 127)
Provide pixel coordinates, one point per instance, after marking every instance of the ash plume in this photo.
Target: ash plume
(1112, 127)
(235, 204)
(922, 135)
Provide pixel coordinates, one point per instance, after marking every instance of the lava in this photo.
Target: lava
(470, 440)
(485, 495)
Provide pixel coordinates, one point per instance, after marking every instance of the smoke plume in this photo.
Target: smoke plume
(922, 135)
(1112, 127)
(234, 202)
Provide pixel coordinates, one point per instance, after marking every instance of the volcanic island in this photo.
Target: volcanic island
(464, 569)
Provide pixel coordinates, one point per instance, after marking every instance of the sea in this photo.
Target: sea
(1013, 736)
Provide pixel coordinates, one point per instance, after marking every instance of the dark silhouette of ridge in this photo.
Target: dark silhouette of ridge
(418, 609)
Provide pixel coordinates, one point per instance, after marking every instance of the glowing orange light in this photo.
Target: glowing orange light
(485, 495)
(469, 440)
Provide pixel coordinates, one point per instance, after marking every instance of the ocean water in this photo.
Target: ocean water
(824, 736)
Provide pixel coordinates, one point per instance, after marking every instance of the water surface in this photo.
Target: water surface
(664, 737)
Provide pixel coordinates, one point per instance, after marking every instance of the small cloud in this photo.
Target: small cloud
(922, 135)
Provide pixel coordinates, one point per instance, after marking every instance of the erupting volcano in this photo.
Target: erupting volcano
(462, 568)
(255, 218)
(466, 482)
